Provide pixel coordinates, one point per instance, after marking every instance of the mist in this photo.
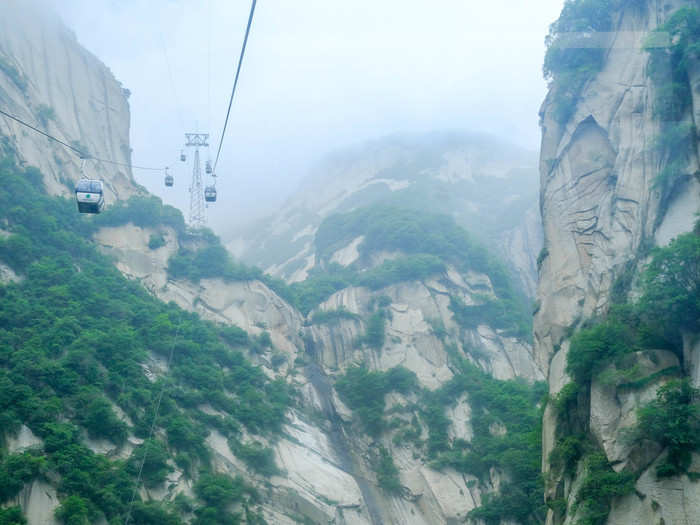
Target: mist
(318, 75)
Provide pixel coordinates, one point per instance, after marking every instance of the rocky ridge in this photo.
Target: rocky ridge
(328, 461)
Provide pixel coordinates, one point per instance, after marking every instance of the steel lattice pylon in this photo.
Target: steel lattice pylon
(198, 218)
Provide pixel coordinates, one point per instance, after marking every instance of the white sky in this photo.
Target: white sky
(318, 75)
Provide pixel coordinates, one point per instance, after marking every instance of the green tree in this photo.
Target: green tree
(155, 467)
(364, 391)
(12, 516)
(599, 486)
(73, 511)
(18, 469)
(671, 284)
(673, 420)
(153, 513)
(387, 473)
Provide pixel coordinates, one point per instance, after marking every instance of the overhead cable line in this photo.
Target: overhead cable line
(126, 165)
(235, 82)
(153, 427)
(82, 154)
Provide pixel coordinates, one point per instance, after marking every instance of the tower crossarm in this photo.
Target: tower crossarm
(197, 140)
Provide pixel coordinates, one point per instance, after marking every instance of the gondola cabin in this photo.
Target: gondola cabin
(183, 157)
(89, 195)
(169, 180)
(210, 194)
(208, 168)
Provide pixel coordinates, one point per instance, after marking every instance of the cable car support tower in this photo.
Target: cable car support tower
(198, 217)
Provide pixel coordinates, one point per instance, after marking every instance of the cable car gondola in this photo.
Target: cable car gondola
(208, 168)
(89, 195)
(210, 194)
(169, 179)
(183, 157)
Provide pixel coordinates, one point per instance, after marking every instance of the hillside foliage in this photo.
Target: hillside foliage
(427, 243)
(513, 406)
(575, 51)
(364, 392)
(577, 44)
(74, 334)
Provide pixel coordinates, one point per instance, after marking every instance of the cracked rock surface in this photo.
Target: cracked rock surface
(600, 207)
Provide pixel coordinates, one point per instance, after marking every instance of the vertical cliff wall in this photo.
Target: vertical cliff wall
(604, 204)
(48, 80)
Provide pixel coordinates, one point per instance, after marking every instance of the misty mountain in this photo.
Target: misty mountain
(389, 366)
(145, 373)
(487, 185)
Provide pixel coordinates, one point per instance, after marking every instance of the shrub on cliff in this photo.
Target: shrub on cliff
(670, 304)
(575, 52)
(673, 421)
(599, 486)
(364, 391)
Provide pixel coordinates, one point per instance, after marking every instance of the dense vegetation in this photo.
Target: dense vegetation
(333, 316)
(73, 335)
(513, 406)
(12, 516)
(672, 420)
(505, 314)
(364, 391)
(387, 473)
(599, 486)
(669, 304)
(413, 232)
(429, 242)
(506, 420)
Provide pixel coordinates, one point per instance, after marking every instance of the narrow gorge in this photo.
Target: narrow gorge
(366, 355)
(345, 397)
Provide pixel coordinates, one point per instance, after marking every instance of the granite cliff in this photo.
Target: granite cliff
(614, 184)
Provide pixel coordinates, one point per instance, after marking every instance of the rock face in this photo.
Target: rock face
(328, 461)
(250, 305)
(48, 80)
(413, 339)
(600, 206)
(456, 174)
(39, 501)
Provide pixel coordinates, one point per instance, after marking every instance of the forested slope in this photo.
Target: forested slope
(74, 338)
(486, 185)
(398, 386)
(87, 355)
